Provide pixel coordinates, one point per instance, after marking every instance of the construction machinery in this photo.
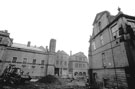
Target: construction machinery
(14, 75)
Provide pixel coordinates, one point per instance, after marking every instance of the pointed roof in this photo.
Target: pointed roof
(62, 52)
(99, 15)
(79, 54)
(111, 19)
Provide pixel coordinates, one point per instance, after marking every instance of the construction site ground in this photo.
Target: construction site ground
(65, 84)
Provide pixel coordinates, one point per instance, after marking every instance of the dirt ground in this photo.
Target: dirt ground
(36, 85)
(40, 86)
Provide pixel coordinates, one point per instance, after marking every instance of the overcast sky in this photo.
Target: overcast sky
(67, 21)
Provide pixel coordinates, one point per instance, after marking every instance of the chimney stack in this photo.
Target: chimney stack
(52, 46)
(28, 45)
(47, 48)
(6, 31)
(70, 53)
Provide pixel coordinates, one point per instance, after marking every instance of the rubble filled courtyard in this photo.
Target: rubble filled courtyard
(50, 83)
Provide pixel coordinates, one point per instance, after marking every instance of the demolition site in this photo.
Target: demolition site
(111, 58)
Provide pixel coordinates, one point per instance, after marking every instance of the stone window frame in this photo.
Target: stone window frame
(14, 60)
(34, 61)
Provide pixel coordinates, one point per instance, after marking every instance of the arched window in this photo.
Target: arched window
(76, 73)
(84, 73)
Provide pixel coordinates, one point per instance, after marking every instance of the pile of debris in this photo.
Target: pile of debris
(49, 79)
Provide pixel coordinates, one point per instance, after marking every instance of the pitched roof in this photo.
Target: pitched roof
(18, 45)
(62, 52)
(99, 15)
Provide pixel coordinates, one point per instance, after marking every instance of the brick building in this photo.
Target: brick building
(111, 51)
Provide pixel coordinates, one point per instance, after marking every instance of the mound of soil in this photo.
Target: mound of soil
(49, 79)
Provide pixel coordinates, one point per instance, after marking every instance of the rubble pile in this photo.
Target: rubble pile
(49, 79)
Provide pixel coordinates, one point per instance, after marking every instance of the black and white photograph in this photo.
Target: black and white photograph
(67, 44)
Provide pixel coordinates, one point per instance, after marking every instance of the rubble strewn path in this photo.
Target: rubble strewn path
(65, 84)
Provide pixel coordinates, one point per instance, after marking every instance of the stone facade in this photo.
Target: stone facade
(108, 52)
(61, 64)
(78, 65)
(35, 60)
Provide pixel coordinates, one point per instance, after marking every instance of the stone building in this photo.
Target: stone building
(111, 51)
(78, 65)
(51, 57)
(33, 60)
(61, 64)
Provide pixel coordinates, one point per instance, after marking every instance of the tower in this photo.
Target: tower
(52, 46)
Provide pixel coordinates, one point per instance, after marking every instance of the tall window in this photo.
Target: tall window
(80, 65)
(0, 39)
(99, 25)
(24, 60)
(14, 59)
(94, 45)
(103, 59)
(34, 61)
(101, 40)
(83, 65)
(115, 31)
